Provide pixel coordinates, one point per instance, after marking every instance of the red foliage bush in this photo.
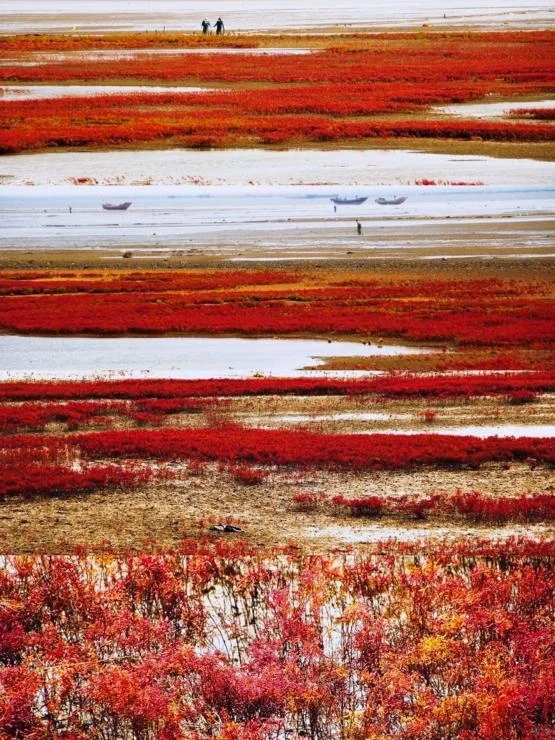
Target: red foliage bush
(233, 444)
(521, 397)
(501, 509)
(417, 507)
(290, 643)
(539, 114)
(404, 385)
(245, 474)
(470, 505)
(40, 470)
(35, 416)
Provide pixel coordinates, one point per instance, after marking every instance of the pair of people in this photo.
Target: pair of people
(219, 26)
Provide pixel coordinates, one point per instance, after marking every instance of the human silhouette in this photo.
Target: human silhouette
(359, 227)
(205, 25)
(219, 26)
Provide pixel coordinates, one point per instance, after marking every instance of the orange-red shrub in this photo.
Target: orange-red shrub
(332, 94)
(497, 312)
(230, 641)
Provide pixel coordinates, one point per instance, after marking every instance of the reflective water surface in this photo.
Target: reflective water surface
(173, 357)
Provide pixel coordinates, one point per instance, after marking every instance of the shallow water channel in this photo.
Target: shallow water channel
(182, 217)
(49, 358)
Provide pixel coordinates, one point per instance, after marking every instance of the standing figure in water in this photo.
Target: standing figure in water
(359, 227)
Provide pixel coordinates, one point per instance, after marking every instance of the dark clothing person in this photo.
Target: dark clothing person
(205, 25)
(219, 26)
(359, 227)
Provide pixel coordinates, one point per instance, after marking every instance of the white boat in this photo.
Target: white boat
(391, 201)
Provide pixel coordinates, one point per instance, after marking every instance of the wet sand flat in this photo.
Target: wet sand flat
(268, 15)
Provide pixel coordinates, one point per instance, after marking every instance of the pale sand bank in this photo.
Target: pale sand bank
(241, 16)
(258, 167)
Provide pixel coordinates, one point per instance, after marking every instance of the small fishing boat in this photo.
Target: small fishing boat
(348, 201)
(391, 201)
(116, 206)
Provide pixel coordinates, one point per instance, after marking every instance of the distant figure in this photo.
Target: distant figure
(359, 227)
(205, 25)
(69, 209)
(219, 26)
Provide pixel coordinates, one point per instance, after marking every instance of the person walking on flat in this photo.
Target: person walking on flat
(205, 25)
(219, 26)
(359, 227)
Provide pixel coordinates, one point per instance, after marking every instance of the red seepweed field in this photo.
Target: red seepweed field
(275, 558)
(204, 450)
(372, 584)
(230, 641)
(355, 88)
(468, 311)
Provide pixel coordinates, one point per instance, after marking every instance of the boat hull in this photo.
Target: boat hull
(348, 201)
(116, 206)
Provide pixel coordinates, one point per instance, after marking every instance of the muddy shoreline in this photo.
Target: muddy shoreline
(38, 259)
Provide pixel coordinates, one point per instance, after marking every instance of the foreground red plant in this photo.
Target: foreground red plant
(232, 642)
